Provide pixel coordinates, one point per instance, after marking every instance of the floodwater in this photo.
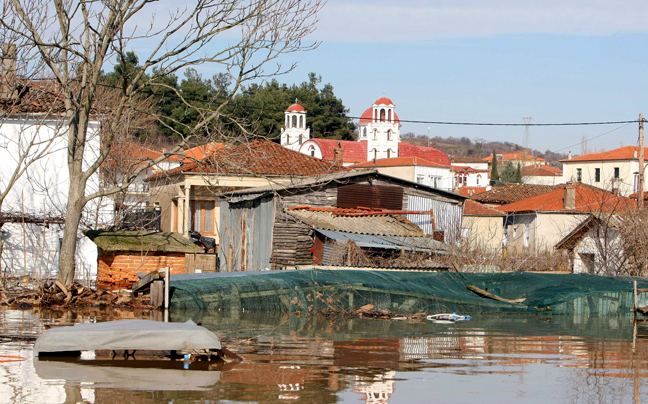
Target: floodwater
(289, 359)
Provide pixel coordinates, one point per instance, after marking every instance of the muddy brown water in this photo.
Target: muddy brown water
(289, 359)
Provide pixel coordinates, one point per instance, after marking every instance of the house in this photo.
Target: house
(188, 196)
(466, 176)
(595, 246)
(538, 223)
(32, 127)
(615, 170)
(473, 162)
(379, 138)
(413, 169)
(522, 158)
(260, 231)
(542, 174)
(482, 227)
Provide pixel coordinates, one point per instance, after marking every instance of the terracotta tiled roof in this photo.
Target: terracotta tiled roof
(383, 224)
(428, 153)
(35, 97)
(383, 100)
(623, 153)
(400, 161)
(259, 157)
(509, 193)
(588, 199)
(127, 153)
(202, 151)
(353, 152)
(466, 169)
(635, 196)
(541, 170)
(296, 108)
(515, 156)
(367, 117)
(470, 191)
(467, 160)
(473, 208)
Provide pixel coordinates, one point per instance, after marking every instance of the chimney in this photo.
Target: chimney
(570, 197)
(338, 155)
(569, 156)
(634, 155)
(8, 73)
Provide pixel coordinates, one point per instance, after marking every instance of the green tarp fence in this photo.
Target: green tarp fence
(405, 292)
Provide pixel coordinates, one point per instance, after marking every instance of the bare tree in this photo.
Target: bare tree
(75, 38)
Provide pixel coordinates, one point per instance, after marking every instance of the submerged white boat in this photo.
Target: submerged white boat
(127, 335)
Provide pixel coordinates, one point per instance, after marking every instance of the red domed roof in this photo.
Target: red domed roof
(368, 114)
(295, 108)
(383, 100)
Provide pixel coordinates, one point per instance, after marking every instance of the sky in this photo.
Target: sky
(494, 61)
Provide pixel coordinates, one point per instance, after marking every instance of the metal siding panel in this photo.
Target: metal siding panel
(447, 216)
(370, 196)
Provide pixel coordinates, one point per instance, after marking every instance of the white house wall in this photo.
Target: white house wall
(625, 182)
(608, 259)
(543, 180)
(42, 191)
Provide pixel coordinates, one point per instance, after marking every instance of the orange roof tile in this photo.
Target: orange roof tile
(467, 169)
(202, 151)
(129, 153)
(470, 191)
(428, 153)
(541, 170)
(623, 153)
(383, 100)
(515, 156)
(588, 199)
(296, 108)
(509, 193)
(474, 208)
(400, 161)
(259, 157)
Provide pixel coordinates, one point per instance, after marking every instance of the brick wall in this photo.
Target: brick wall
(118, 270)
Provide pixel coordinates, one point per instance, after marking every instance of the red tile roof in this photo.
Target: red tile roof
(428, 153)
(541, 170)
(400, 161)
(473, 208)
(515, 156)
(383, 100)
(367, 117)
(466, 160)
(202, 151)
(129, 153)
(623, 153)
(470, 191)
(509, 193)
(588, 199)
(467, 169)
(296, 108)
(259, 157)
(35, 97)
(353, 152)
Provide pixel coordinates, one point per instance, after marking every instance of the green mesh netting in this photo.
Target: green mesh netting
(406, 292)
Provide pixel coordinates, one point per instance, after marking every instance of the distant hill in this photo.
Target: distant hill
(465, 147)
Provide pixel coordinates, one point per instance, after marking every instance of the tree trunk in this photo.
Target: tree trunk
(67, 260)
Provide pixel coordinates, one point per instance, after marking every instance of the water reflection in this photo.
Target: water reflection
(309, 359)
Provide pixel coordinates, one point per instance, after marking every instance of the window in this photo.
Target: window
(375, 153)
(388, 153)
(301, 121)
(616, 173)
(375, 134)
(311, 151)
(202, 213)
(287, 139)
(478, 178)
(382, 115)
(579, 174)
(420, 179)
(301, 139)
(597, 175)
(294, 121)
(364, 132)
(389, 133)
(389, 118)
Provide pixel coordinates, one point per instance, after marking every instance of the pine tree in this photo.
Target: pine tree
(518, 174)
(494, 181)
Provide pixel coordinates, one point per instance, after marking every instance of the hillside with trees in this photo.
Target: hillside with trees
(465, 147)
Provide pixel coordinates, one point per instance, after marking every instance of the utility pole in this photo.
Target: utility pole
(640, 199)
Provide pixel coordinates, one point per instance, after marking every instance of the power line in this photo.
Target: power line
(597, 136)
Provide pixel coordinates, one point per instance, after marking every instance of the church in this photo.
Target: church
(378, 144)
(378, 137)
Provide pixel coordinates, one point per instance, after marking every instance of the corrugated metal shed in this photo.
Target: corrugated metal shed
(447, 217)
(392, 225)
(246, 234)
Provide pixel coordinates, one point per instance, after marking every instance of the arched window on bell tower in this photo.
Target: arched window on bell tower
(294, 121)
(364, 132)
(389, 115)
(301, 122)
(382, 115)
